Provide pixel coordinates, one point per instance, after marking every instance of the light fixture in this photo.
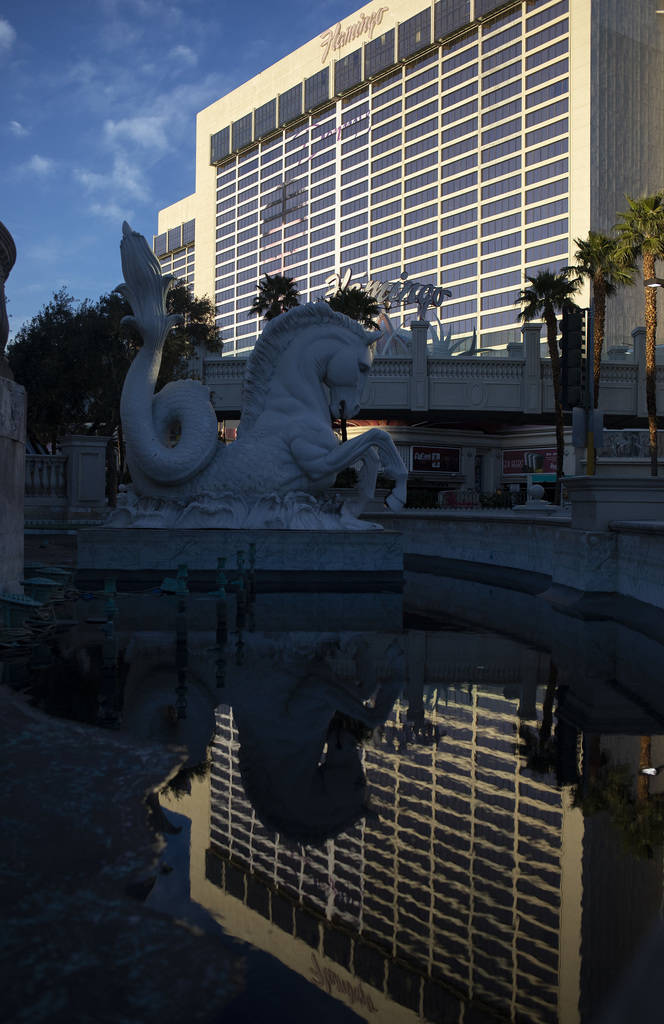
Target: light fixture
(654, 282)
(651, 771)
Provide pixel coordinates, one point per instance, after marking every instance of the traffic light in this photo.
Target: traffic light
(573, 361)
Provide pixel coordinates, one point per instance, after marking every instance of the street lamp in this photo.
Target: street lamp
(654, 282)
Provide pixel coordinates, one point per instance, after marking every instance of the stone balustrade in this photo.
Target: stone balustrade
(521, 382)
(70, 485)
(45, 479)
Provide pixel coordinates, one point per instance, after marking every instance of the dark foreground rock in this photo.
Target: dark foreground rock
(77, 848)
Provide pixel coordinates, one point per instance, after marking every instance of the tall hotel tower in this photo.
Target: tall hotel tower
(465, 142)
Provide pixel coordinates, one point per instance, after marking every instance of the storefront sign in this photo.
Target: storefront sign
(391, 292)
(518, 461)
(436, 460)
(336, 38)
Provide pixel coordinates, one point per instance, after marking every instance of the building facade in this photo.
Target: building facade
(464, 142)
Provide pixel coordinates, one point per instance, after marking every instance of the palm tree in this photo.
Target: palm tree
(357, 304)
(641, 233)
(276, 293)
(599, 259)
(545, 296)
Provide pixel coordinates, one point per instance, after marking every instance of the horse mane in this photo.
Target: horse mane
(273, 342)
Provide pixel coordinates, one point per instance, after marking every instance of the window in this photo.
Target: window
(348, 71)
(424, 213)
(385, 112)
(379, 53)
(265, 119)
(457, 219)
(499, 95)
(465, 128)
(507, 259)
(386, 259)
(459, 290)
(449, 15)
(420, 181)
(459, 77)
(501, 242)
(354, 222)
(352, 190)
(425, 196)
(501, 57)
(421, 147)
(509, 316)
(415, 33)
(455, 166)
(547, 73)
(502, 224)
(386, 193)
(425, 111)
(460, 272)
(419, 165)
(546, 171)
(458, 255)
(452, 98)
(290, 104)
(415, 81)
(385, 97)
(512, 202)
(551, 12)
(502, 75)
(556, 227)
(547, 54)
(542, 95)
(547, 210)
(449, 116)
(386, 129)
(352, 254)
(540, 252)
(546, 113)
(501, 38)
(499, 188)
(242, 132)
(220, 145)
(322, 218)
(354, 174)
(393, 224)
(425, 128)
(422, 96)
(385, 211)
(449, 152)
(457, 202)
(504, 167)
(422, 266)
(501, 131)
(501, 149)
(459, 58)
(457, 184)
(547, 34)
(513, 277)
(422, 231)
(386, 145)
(508, 110)
(458, 237)
(547, 131)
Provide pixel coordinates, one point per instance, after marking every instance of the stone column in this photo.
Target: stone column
(531, 400)
(86, 470)
(419, 382)
(639, 344)
(12, 444)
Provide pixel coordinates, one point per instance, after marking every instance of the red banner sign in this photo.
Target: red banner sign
(529, 460)
(436, 460)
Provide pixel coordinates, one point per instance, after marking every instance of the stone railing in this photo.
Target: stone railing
(71, 485)
(518, 382)
(46, 479)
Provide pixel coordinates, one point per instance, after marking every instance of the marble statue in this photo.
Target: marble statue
(309, 364)
(7, 261)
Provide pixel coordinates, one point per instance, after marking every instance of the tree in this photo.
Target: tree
(546, 295)
(600, 261)
(72, 360)
(641, 233)
(276, 294)
(357, 304)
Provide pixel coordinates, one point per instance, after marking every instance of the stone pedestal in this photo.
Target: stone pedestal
(286, 560)
(598, 500)
(86, 470)
(12, 484)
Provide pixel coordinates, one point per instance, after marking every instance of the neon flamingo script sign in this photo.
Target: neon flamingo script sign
(336, 38)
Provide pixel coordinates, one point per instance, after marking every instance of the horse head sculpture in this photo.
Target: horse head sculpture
(310, 363)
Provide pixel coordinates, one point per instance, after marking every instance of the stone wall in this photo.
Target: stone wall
(12, 484)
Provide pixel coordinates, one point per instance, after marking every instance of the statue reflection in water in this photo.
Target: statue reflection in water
(302, 711)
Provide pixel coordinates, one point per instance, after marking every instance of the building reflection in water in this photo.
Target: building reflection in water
(468, 885)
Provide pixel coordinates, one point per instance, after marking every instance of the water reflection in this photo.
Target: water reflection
(434, 823)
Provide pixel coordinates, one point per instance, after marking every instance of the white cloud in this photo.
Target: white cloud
(41, 165)
(7, 35)
(112, 211)
(184, 54)
(125, 179)
(147, 130)
(16, 128)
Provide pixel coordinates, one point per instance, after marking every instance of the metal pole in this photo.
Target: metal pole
(588, 400)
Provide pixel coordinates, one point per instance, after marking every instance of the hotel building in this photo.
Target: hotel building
(465, 142)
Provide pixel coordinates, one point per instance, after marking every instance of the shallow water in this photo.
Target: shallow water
(434, 822)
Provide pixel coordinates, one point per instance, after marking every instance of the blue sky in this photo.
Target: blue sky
(97, 120)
